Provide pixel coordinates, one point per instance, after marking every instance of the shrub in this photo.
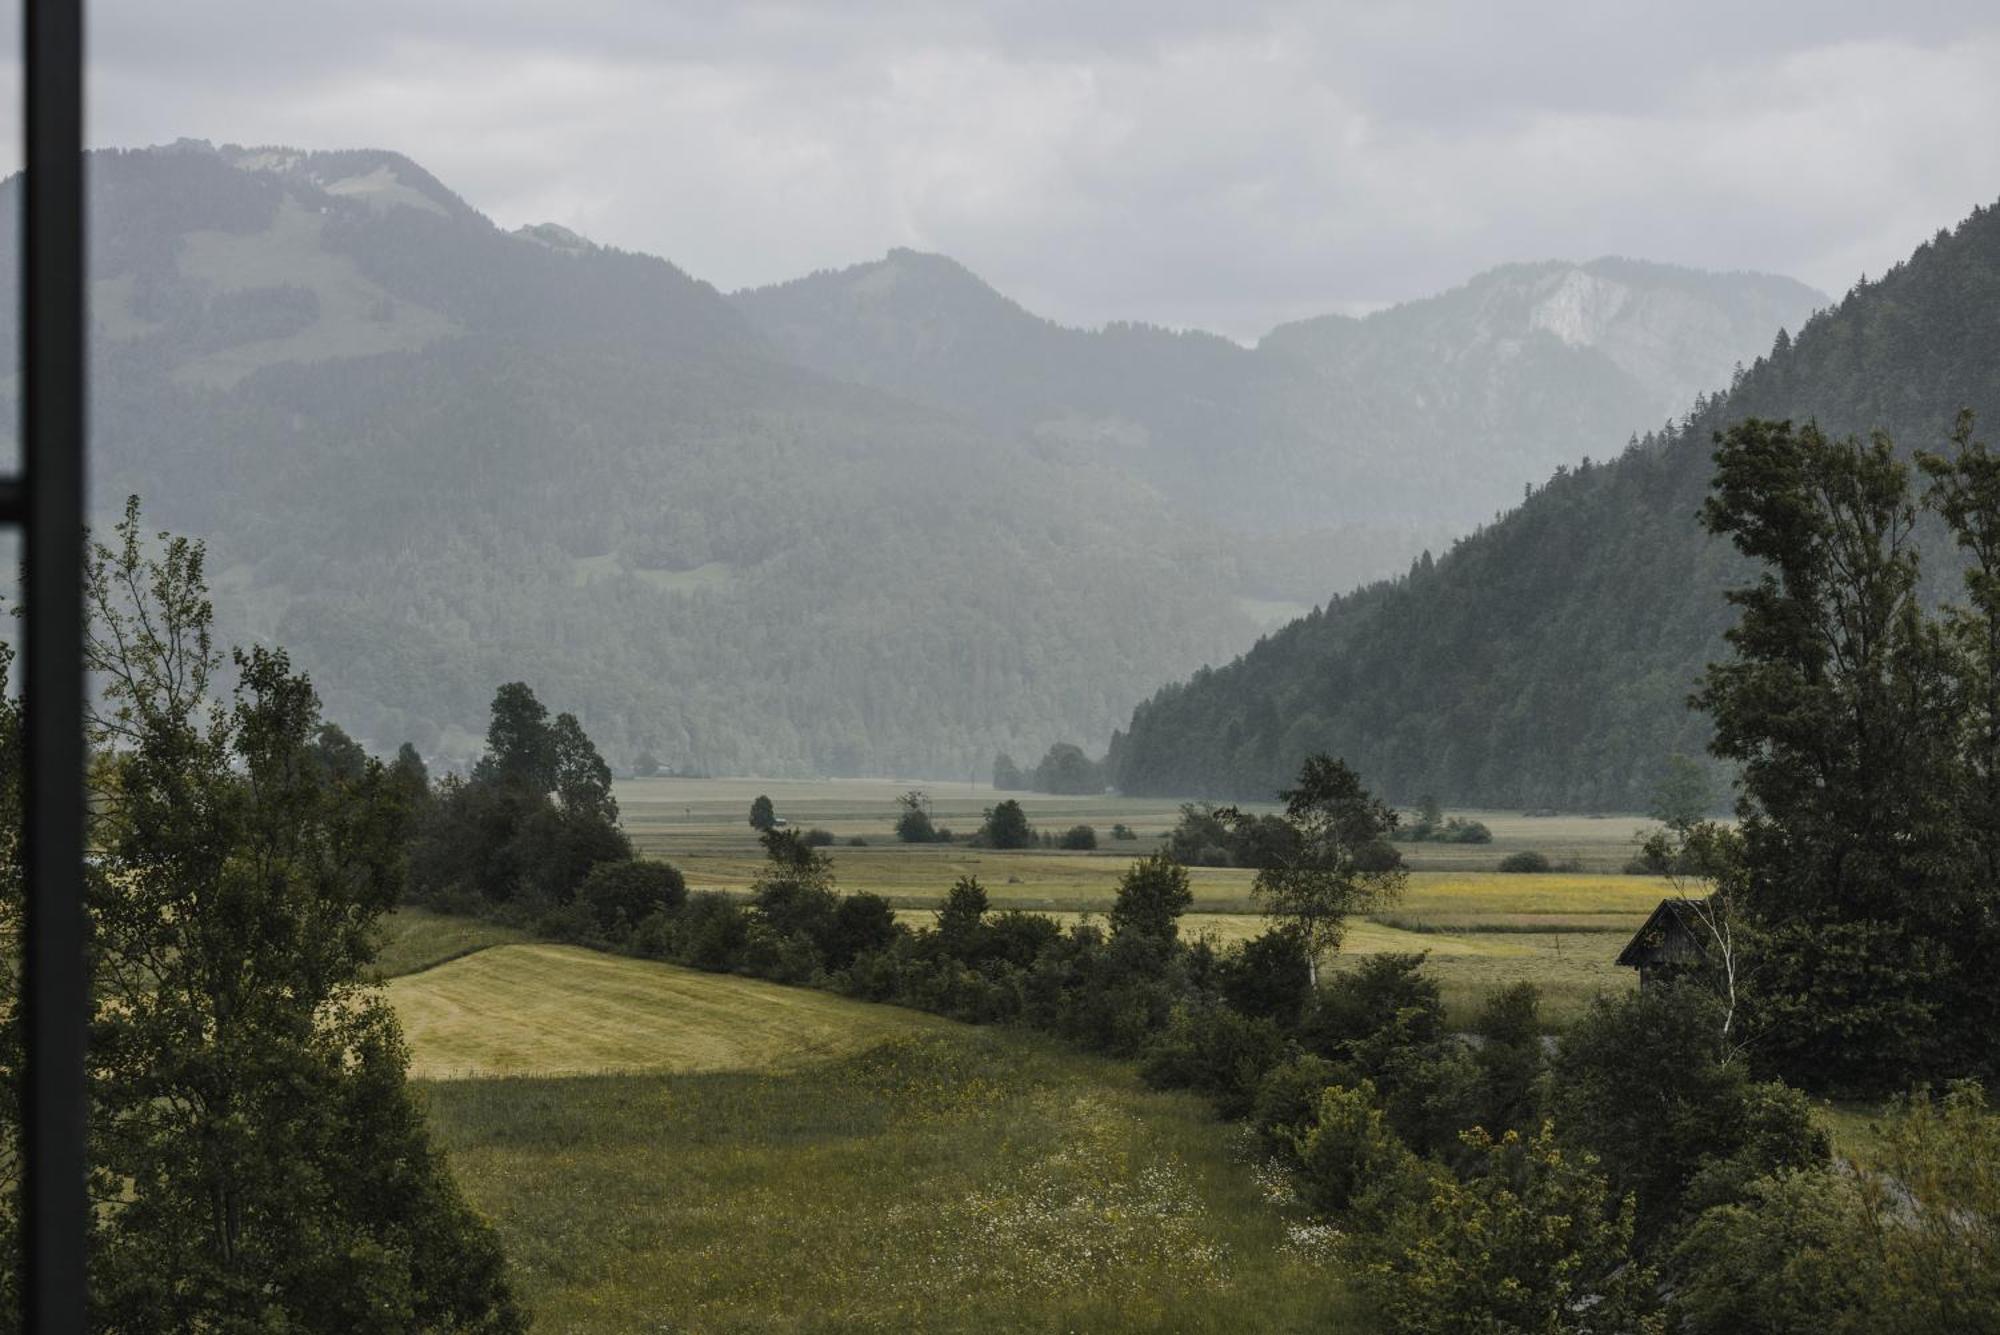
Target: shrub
(1530, 1240)
(862, 924)
(1645, 1082)
(711, 932)
(1527, 860)
(818, 838)
(1287, 1101)
(1268, 976)
(1351, 1166)
(1078, 837)
(1121, 831)
(1216, 1051)
(857, 842)
(1912, 1245)
(914, 825)
(1358, 1003)
(618, 895)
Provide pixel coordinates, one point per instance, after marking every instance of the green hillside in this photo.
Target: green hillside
(1546, 660)
(430, 456)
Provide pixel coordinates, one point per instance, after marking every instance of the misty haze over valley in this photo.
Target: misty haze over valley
(876, 521)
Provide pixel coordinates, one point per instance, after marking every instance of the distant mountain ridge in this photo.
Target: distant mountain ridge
(1428, 415)
(431, 455)
(1547, 660)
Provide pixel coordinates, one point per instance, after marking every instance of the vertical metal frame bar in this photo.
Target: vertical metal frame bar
(51, 507)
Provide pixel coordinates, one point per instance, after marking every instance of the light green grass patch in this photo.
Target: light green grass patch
(964, 1180)
(563, 1010)
(411, 939)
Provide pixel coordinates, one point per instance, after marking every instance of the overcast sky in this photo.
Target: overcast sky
(1227, 164)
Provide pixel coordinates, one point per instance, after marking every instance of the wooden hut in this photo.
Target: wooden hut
(1672, 939)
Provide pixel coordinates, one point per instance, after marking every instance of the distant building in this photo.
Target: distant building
(1671, 940)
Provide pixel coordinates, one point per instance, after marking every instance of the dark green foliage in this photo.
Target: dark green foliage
(1341, 861)
(862, 924)
(1528, 1238)
(1066, 770)
(1150, 899)
(1510, 1058)
(1288, 1101)
(1910, 1245)
(961, 922)
(1546, 660)
(1856, 717)
(257, 1159)
(711, 932)
(913, 825)
(1212, 836)
(1216, 1051)
(620, 895)
(1643, 1081)
(1121, 831)
(763, 816)
(1527, 860)
(818, 838)
(1006, 826)
(1077, 837)
(1007, 776)
(529, 825)
(1269, 977)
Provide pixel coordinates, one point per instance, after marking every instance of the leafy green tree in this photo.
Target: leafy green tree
(1078, 838)
(582, 779)
(645, 764)
(1150, 899)
(1067, 770)
(623, 894)
(763, 816)
(1007, 777)
(1006, 826)
(1842, 704)
(961, 921)
(520, 746)
(257, 1159)
(1337, 870)
(913, 824)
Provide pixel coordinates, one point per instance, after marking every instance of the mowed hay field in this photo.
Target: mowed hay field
(563, 1010)
(861, 1168)
(1484, 929)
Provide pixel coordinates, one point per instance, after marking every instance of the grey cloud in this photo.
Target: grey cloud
(1227, 166)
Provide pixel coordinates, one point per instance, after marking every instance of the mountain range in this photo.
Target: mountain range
(1546, 661)
(875, 521)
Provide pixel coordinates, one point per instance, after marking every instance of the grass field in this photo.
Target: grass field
(932, 1177)
(563, 1010)
(1485, 929)
(413, 939)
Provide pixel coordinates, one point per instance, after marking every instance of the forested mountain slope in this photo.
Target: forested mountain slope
(1423, 418)
(1546, 660)
(431, 456)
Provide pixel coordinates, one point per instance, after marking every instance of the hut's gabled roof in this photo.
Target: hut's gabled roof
(1674, 917)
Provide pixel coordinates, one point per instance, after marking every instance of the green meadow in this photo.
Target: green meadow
(777, 1159)
(1484, 928)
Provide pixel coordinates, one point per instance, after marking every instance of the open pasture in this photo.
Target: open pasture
(696, 822)
(914, 1175)
(548, 1009)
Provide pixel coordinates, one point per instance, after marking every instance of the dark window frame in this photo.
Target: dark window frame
(46, 504)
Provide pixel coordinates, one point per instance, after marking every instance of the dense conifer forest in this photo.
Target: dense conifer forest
(1546, 661)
